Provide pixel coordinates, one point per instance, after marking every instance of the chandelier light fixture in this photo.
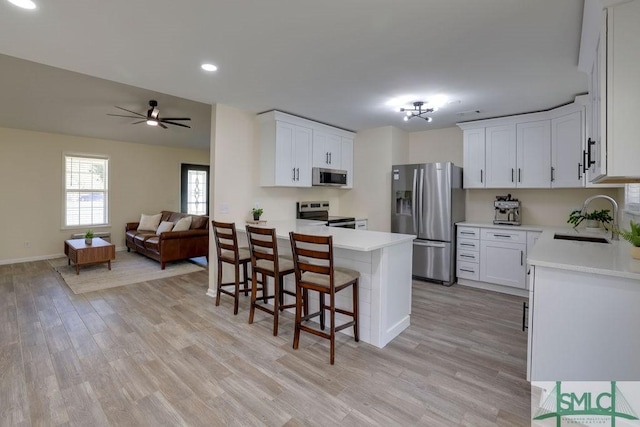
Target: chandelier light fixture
(418, 110)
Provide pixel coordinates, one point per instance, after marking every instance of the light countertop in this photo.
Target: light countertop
(345, 238)
(501, 226)
(609, 259)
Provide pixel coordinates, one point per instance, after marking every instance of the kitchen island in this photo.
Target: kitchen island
(383, 260)
(583, 310)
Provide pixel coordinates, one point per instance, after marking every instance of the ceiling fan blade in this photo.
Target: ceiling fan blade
(129, 111)
(176, 118)
(175, 124)
(161, 125)
(141, 121)
(122, 115)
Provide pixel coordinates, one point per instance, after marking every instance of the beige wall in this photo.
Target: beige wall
(143, 178)
(375, 151)
(439, 145)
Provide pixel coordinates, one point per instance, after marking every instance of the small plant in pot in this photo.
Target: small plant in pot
(632, 236)
(88, 237)
(256, 212)
(594, 219)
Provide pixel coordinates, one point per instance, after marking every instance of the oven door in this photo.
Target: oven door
(346, 224)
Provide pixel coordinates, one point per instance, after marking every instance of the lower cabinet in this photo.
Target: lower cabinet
(494, 258)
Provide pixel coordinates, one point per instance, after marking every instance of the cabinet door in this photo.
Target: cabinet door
(566, 143)
(503, 263)
(327, 150)
(474, 171)
(302, 156)
(533, 150)
(500, 156)
(346, 160)
(285, 174)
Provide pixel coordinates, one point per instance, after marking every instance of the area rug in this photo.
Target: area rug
(126, 269)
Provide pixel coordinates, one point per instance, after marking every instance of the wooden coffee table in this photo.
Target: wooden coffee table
(82, 254)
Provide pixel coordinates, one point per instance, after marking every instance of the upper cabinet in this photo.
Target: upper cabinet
(290, 146)
(537, 150)
(609, 55)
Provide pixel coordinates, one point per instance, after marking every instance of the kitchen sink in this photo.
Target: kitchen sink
(580, 238)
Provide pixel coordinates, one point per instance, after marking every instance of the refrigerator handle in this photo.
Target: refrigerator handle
(430, 244)
(413, 200)
(421, 195)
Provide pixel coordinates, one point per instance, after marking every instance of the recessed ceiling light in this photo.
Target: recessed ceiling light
(25, 4)
(209, 67)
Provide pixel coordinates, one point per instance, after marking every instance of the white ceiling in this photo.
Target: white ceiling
(334, 61)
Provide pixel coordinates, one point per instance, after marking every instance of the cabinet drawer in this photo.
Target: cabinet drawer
(468, 233)
(468, 245)
(499, 235)
(468, 256)
(468, 270)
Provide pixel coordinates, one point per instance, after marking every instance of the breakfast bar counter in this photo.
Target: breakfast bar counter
(383, 260)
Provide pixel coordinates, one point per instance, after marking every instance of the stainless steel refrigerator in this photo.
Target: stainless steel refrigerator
(427, 200)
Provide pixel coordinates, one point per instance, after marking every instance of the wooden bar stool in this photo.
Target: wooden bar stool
(229, 252)
(265, 261)
(314, 269)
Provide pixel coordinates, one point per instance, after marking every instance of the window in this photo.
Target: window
(195, 189)
(86, 190)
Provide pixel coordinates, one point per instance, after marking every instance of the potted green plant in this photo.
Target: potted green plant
(257, 212)
(88, 237)
(594, 219)
(632, 236)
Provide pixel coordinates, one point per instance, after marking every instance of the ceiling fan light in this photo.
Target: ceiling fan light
(406, 118)
(25, 4)
(428, 119)
(152, 122)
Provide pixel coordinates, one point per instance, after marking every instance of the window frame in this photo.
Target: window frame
(107, 190)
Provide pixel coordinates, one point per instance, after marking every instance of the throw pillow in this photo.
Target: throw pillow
(183, 224)
(149, 222)
(164, 226)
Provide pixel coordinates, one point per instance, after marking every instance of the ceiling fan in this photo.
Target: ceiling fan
(152, 118)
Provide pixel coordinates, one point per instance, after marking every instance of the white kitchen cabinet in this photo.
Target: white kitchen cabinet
(533, 149)
(327, 150)
(567, 136)
(346, 159)
(500, 156)
(614, 80)
(287, 148)
(474, 164)
(468, 253)
(502, 257)
(583, 326)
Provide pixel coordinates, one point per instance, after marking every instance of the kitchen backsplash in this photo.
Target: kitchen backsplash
(539, 207)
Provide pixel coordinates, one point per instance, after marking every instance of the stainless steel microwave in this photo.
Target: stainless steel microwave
(329, 177)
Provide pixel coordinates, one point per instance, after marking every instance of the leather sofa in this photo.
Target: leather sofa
(170, 245)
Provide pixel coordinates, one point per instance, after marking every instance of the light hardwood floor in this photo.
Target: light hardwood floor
(161, 353)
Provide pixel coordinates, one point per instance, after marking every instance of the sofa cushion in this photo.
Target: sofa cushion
(149, 222)
(164, 226)
(152, 244)
(183, 225)
(199, 222)
(141, 237)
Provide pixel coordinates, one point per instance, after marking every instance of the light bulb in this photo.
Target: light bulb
(409, 113)
(209, 67)
(428, 119)
(406, 118)
(152, 122)
(25, 4)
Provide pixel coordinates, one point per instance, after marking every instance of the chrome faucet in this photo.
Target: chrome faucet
(614, 236)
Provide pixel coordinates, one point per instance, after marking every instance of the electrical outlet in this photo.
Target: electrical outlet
(224, 208)
(256, 205)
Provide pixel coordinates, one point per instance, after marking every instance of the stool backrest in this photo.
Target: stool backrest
(313, 254)
(263, 245)
(226, 238)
